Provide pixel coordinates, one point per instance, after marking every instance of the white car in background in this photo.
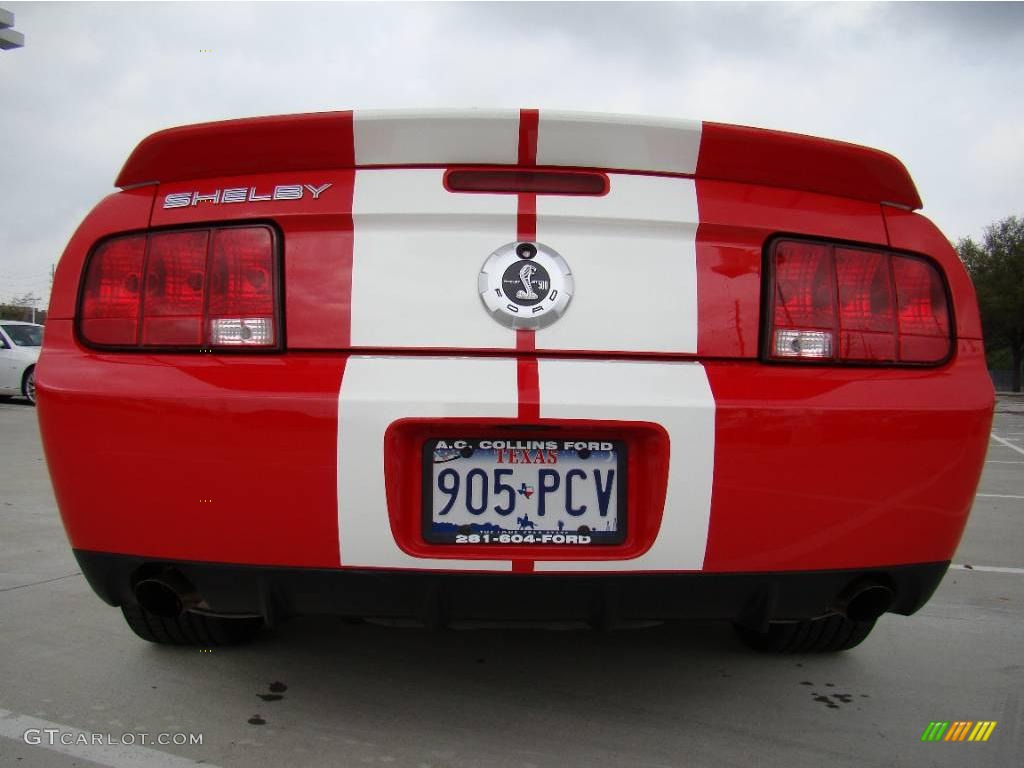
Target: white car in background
(20, 344)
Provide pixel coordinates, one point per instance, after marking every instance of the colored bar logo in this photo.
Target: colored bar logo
(959, 730)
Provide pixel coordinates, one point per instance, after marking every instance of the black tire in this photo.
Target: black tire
(28, 384)
(190, 628)
(825, 635)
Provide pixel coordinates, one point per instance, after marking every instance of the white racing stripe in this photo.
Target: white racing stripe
(634, 260)
(377, 391)
(1007, 443)
(436, 137)
(418, 249)
(417, 252)
(618, 141)
(678, 397)
(14, 726)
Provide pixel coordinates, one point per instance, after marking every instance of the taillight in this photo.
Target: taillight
(191, 288)
(175, 288)
(923, 315)
(241, 293)
(112, 294)
(837, 303)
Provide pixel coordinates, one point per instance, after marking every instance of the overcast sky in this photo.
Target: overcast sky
(941, 86)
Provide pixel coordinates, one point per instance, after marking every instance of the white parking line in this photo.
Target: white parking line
(985, 568)
(997, 496)
(1004, 462)
(1008, 444)
(15, 726)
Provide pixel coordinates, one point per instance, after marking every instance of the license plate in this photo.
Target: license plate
(524, 491)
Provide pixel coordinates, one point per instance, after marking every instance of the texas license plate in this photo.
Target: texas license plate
(524, 491)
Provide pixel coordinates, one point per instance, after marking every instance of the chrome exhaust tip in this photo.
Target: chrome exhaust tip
(865, 601)
(167, 595)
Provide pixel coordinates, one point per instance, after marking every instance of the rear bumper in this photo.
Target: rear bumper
(282, 460)
(437, 598)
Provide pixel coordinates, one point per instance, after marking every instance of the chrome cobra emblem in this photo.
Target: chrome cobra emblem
(525, 274)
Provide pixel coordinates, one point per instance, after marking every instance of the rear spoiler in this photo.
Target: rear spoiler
(329, 140)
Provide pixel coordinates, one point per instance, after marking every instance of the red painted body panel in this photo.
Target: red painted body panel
(237, 147)
(796, 162)
(836, 467)
(223, 459)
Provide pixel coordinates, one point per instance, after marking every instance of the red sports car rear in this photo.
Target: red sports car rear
(476, 365)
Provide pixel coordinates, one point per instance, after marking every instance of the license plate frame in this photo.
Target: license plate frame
(577, 451)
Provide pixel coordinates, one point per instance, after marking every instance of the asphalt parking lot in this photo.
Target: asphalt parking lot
(324, 692)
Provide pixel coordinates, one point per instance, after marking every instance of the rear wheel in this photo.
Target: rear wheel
(824, 635)
(28, 385)
(190, 628)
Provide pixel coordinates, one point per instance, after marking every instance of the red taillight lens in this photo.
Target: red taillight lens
(836, 303)
(804, 304)
(803, 291)
(113, 292)
(175, 288)
(241, 309)
(203, 287)
(923, 313)
(866, 327)
(537, 182)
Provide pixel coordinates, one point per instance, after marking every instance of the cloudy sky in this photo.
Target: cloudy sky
(941, 86)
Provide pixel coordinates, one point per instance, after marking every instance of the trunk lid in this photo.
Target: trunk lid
(380, 253)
